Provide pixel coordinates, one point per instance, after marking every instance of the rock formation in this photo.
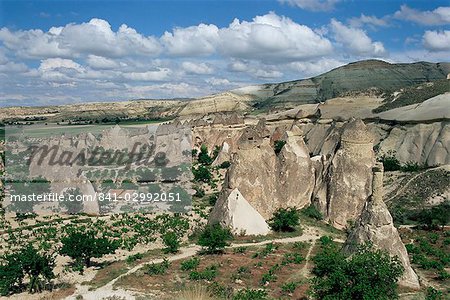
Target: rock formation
(350, 175)
(264, 180)
(375, 225)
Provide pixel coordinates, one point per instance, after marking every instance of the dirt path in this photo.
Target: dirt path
(311, 234)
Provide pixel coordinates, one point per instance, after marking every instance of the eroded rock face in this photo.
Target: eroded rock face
(235, 212)
(265, 180)
(375, 225)
(350, 175)
(426, 144)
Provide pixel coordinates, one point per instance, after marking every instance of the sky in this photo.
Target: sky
(62, 52)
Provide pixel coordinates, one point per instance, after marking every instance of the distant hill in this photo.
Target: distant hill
(399, 84)
(368, 76)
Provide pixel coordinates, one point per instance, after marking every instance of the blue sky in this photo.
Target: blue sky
(55, 52)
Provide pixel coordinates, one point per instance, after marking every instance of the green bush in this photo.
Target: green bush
(225, 165)
(278, 145)
(158, 268)
(203, 156)
(171, 242)
(26, 263)
(289, 287)
(285, 219)
(250, 294)
(433, 294)
(367, 274)
(214, 238)
(190, 264)
(209, 273)
(312, 212)
(202, 174)
(212, 199)
(390, 162)
(411, 167)
(134, 257)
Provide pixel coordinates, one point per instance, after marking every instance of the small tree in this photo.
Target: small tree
(285, 219)
(82, 246)
(203, 156)
(214, 238)
(171, 241)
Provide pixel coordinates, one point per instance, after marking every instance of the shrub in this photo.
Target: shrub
(199, 192)
(209, 273)
(390, 162)
(171, 242)
(82, 246)
(134, 257)
(26, 263)
(214, 238)
(289, 287)
(212, 199)
(201, 174)
(411, 167)
(203, 156)
(250, 294)
(225, 165)
(312, 212)
(367, 274)
(157, 268)
(433, 294)
(278, 145)
(190, 264)
(285, 219)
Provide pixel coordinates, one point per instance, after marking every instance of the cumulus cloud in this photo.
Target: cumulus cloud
(316, 67)
(439, 16)
(372, 21)
(313, 5)
(356, 40)
(267, 37)
(191, 41)
(272, 37)
(94, 37)
(157, 75)
(218, 81)
(196, 68)
(437, 40)
(101, 63)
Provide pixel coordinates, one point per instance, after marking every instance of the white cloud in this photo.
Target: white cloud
(94, 37)
(439, 16)
(196, 68)
(158, 75)
(272, 38)
(437, 40)
(368, 20)
(237, 66)
(51, 64)
(316, 67)
(313, 5)
(101, 63)
(356, 40)
(191, 41)
(12, 67)
(267, 74)
(218, 81)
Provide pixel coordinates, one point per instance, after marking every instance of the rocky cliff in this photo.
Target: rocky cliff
(375, 226)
